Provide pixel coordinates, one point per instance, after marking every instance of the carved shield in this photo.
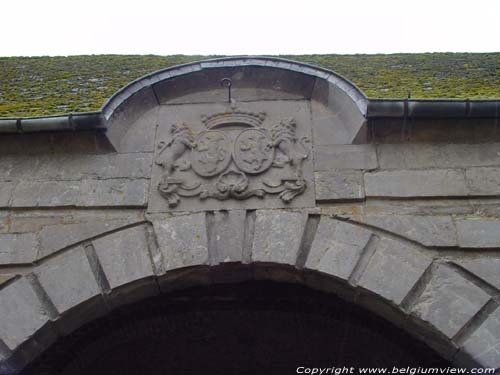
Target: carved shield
(253, 151)
(212, 153)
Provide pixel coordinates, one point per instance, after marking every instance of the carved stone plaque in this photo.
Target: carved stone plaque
(233, 156)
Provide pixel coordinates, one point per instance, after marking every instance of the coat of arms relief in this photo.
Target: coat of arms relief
(233, 157)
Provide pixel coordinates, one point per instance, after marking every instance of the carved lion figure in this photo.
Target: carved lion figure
(169, 154)
(285, 140)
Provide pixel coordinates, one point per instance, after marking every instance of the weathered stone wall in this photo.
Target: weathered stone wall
(408, 229)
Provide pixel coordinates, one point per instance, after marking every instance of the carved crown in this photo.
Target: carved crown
(235, 116)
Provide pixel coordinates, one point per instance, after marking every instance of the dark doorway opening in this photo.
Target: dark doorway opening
(248, 328)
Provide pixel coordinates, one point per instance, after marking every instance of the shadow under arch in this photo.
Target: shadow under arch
(268, 321)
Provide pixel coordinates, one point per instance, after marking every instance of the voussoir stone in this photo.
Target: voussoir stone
(337, 247)
(124, 256)
(226, 236)
(21, 312)
(68, 280)
(182, 240)
(484, 344)
(449, 301)
(56, 237)
(393, 269)
(486, 267)
(277, 236)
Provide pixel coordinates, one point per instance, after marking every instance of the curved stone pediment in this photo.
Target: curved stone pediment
(247, 145)
(253, 80)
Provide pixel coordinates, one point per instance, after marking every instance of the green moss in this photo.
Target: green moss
(32, 86)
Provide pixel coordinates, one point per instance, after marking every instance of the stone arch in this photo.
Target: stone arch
(395, 278)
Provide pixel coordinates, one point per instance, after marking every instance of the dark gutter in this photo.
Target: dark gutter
(377, 108)
(433, 108)
(70, 122)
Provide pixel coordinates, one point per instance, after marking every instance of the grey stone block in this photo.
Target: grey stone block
(478, 233)
(134, 165)
(18, 248)
(84, 142)
(337, 247)
(5, 222)
(483, 181)
(6, 189)
(277, 236)
(182, 240)
(420, 207)
(132, 127)
(449, 301)
(56, 237)
(140, 135)
(486, 267)
(124, 256)
(68, 280)
(250, 83)
(226, 235)
(113, 192)
(339, 185)
(393, 270)
(421, 155)
(324, 121)
(71, 167)
(46, 193)
(34, 221)
(484, 344)
(328, 157)
(417, 183)
(195, 201)
(21, 312)
(427, 230)
(335, 116)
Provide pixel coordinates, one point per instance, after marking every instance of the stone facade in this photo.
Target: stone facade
(399, 215)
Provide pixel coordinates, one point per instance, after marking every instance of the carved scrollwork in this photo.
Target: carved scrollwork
(220, 160)
(232, 184)
(171, 189)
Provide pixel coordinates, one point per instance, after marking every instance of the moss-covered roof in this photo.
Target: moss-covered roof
(31, 86)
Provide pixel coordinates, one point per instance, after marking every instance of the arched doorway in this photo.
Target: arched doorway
(253, 327)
